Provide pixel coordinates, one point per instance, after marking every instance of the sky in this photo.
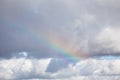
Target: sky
(47, 38)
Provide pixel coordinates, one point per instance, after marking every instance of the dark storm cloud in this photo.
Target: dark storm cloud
(90, 26)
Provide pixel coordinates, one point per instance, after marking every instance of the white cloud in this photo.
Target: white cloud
(88, 69)
(108, 40)
(20, 68)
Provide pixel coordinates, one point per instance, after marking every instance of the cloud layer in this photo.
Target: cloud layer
(55, 68)
(90, 27)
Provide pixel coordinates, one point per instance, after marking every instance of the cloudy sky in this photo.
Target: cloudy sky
(44, 39)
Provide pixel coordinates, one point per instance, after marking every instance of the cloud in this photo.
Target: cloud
(89, 27)
(107, 40)
(57, 64)
(88, 69)
(79, 25)
(22, 68)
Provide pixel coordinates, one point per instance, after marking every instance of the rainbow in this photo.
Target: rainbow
(68, 54)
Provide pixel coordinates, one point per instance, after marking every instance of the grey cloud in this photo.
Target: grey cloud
(56, 65)
(75, 23)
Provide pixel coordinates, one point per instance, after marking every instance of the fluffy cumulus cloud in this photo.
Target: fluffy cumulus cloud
(21, 68)
(96, 68)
